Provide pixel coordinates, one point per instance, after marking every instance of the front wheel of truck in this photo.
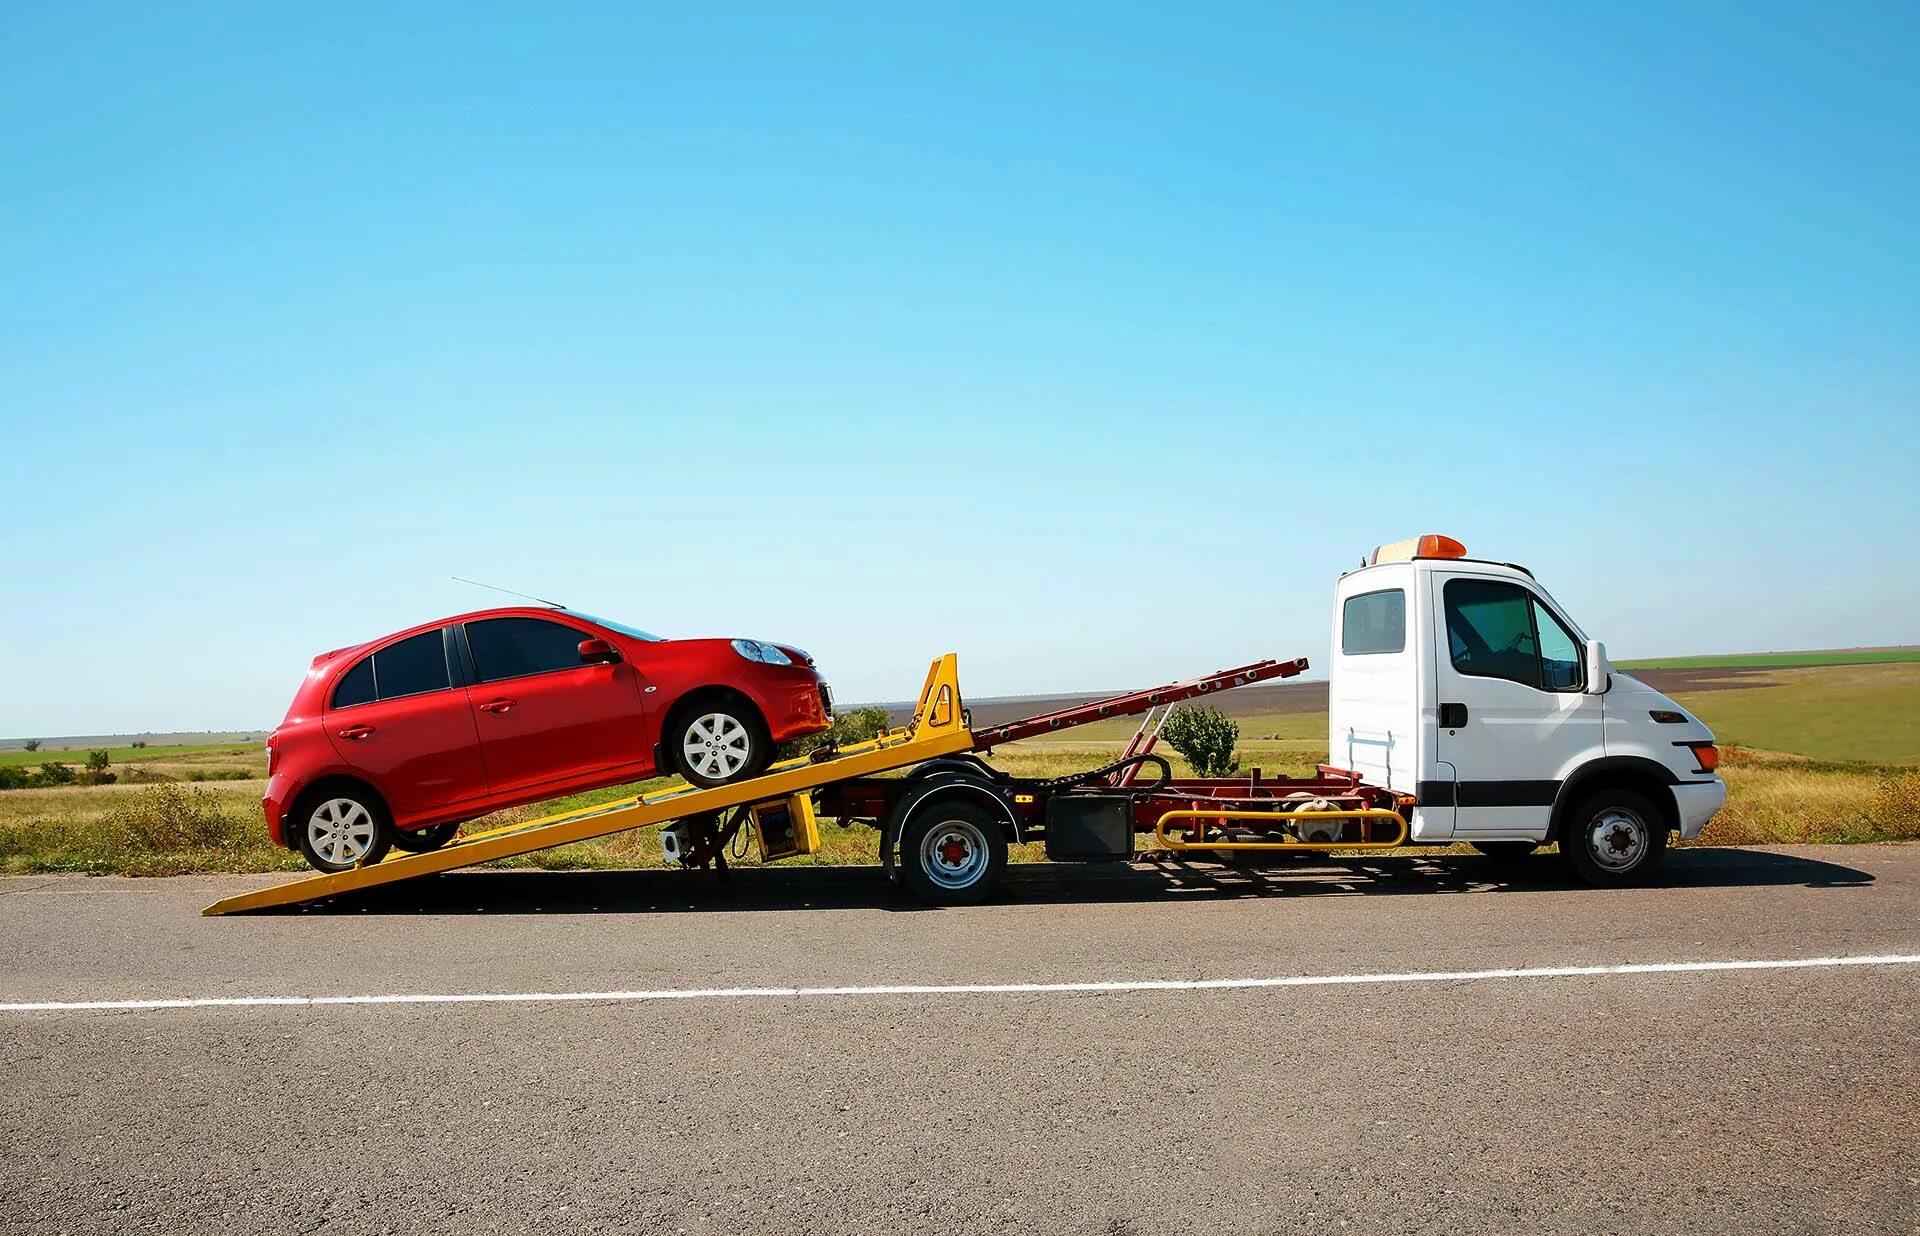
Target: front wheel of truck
(1613, 837)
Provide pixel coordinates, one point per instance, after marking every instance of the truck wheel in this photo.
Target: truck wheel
(1613, 837)
(953, 853)
(716, 741)
(342, 829)
(426, 840)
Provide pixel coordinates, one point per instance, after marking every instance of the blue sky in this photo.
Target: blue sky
(1091, 344)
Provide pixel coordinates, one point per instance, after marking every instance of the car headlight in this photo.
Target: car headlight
(766, 654)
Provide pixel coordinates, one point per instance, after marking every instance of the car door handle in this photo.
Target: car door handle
(496, 706)
(1452, 716)
(357, 732)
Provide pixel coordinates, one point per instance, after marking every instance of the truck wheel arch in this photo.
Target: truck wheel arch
(1631, 772)
(956, 782)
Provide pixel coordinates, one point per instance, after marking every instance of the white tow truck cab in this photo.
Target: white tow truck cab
(1463, 684)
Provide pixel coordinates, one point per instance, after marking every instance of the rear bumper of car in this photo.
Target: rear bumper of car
(274, 802)
(1697, 801)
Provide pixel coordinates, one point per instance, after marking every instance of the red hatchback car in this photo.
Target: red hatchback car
(399, 740)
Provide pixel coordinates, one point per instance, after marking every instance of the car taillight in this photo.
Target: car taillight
(1707, 754)
(272, 751)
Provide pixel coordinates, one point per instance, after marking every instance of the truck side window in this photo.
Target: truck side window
(1501, 630)
(1560, 659)
(1374, 622)
(1490, 630)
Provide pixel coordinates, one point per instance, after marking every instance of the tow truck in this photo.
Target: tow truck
(1464, 706)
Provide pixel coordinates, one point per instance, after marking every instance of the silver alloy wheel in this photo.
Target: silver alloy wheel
(1617, 839)
(954, 854)
(717, 745)
(341, 831)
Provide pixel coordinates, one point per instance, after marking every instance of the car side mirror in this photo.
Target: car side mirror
(598, 652)
(1598, 677)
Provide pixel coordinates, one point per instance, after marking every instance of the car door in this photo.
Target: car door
(1513, 713)
(546, 719)
(400, 718)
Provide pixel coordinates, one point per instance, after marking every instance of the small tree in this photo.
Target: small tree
(97, 773)
(857, 725)
(33, 744)
(57, 774)
(1206, 737)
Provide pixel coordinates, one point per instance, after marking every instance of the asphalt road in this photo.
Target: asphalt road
(1746, 1101)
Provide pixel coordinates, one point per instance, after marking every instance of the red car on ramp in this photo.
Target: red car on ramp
(399, 740)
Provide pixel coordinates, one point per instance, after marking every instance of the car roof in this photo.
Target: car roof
(502, 611)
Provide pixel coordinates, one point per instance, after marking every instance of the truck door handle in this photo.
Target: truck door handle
(357, 732)
(1452, 716)
(496, 706)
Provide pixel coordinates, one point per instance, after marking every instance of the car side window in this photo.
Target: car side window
(1501, 630)
(517, 647)
(355, 686)
(1374, 622)
(413, 666)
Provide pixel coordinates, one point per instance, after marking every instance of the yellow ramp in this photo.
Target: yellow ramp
(938, 728)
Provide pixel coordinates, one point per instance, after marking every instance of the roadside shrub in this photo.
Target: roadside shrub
(1893, 810)
(169, 819)
(12, 778)
(848, 728)
(56, 774)
(1206, 736)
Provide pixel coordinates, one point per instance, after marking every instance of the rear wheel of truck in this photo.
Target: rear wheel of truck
(953, 853)
(1613, 837)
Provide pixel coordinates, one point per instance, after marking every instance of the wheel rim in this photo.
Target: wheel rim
(1617, 839)
(341, 831)
(954, 854)
(717, 745)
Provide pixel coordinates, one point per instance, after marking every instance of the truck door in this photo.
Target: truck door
(1513, 715)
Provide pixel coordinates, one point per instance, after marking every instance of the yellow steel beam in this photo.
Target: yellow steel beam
(1280, 817)
(938, 728)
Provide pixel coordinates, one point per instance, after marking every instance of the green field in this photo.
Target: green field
(132, 755)
(1773, 660)
(1853, 713)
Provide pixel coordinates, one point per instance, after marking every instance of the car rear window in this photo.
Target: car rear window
(355, 686)
(516, 647)
(411, 666)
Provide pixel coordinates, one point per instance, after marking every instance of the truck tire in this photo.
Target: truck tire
(953, 853)
(426, 840)
(1613, 837)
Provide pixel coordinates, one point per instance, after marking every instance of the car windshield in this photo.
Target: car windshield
(623, 628)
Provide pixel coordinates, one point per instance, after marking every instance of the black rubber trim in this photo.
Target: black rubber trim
(1488, 793)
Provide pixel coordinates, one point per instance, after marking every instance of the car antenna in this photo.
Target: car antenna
(510, 592)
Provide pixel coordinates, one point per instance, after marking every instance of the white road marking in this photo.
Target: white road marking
(960, 989)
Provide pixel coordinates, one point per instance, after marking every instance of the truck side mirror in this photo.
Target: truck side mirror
(1598, 679)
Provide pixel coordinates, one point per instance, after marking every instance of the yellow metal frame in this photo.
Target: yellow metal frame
(938, 728)
(1280, 817)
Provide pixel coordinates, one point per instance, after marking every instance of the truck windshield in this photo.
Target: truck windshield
(623, 628)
